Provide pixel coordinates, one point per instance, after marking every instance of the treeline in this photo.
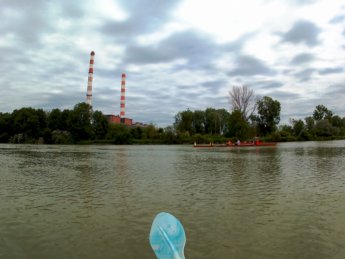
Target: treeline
(321, 125)
(220, 125)
(81, 125)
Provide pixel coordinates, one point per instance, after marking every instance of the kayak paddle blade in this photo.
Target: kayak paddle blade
(167, 237)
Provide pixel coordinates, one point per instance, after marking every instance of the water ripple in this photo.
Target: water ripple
(76, 201)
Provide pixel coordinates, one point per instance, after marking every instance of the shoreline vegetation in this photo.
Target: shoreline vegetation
(82, 125)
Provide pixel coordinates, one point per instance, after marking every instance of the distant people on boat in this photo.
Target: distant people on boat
(229, 143)
(238, 142)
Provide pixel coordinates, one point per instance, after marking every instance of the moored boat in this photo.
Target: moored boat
(231, 145)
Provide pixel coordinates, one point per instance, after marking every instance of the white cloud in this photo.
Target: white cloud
(174, 58)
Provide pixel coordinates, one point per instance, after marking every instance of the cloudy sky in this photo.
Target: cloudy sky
(177, 54)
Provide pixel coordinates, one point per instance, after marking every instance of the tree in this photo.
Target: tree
(184, 121)
(322, 113)
(268, 115)
(212, 121)
(5, 127)
(137, 132)
(238, 127)
(337, 121)
(150, 132)
(119, 134)
(30, 122)
(298, 128)
(310, 123)
(170, 135)
(323, 128)
(199, 122)
(100, 125)
(79, 122)
(224, 116)
(243, 99)
(55, 120)
(285, 133)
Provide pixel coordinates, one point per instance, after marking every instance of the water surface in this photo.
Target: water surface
(99, 201)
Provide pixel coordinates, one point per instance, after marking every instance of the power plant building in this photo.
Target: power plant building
(117, 119)
(121, 118)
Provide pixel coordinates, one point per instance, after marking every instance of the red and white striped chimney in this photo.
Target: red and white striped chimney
(89, 81)
(123, 91)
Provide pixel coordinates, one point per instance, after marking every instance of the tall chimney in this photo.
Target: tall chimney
(122, 103)
(89, 81)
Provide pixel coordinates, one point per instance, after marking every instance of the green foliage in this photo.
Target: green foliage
(298, 128)
(322, 113)
(268, 115)
(184, 122)
(55, 120)
(61, 137)
(5, 127)
(324, 128)
(321, 126)
(238, 127)
(137, 132)
(83, 126)
(79, 122)
(29, 122)
(119, 134)
(150, 132)
(199, 122)
(337, 121)
(100, 125)
(310, 124)
(210, 121)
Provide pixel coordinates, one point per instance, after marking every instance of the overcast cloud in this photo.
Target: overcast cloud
(176, 54)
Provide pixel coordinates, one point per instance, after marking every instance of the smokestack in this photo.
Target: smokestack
(89, 81)
(122, 103)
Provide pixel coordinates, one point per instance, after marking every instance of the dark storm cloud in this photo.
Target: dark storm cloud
(334, 70)
(302, 32)
(250, 66)
(302, 58)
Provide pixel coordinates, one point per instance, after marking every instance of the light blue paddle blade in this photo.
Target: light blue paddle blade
(167, 237)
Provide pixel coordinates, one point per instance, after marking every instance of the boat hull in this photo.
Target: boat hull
(268, 144)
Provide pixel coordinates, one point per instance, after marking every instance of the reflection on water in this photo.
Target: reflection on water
(99, 201)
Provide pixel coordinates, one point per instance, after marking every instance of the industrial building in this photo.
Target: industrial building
(117, 119)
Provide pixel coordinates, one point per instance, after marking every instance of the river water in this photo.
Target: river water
(99, 201)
